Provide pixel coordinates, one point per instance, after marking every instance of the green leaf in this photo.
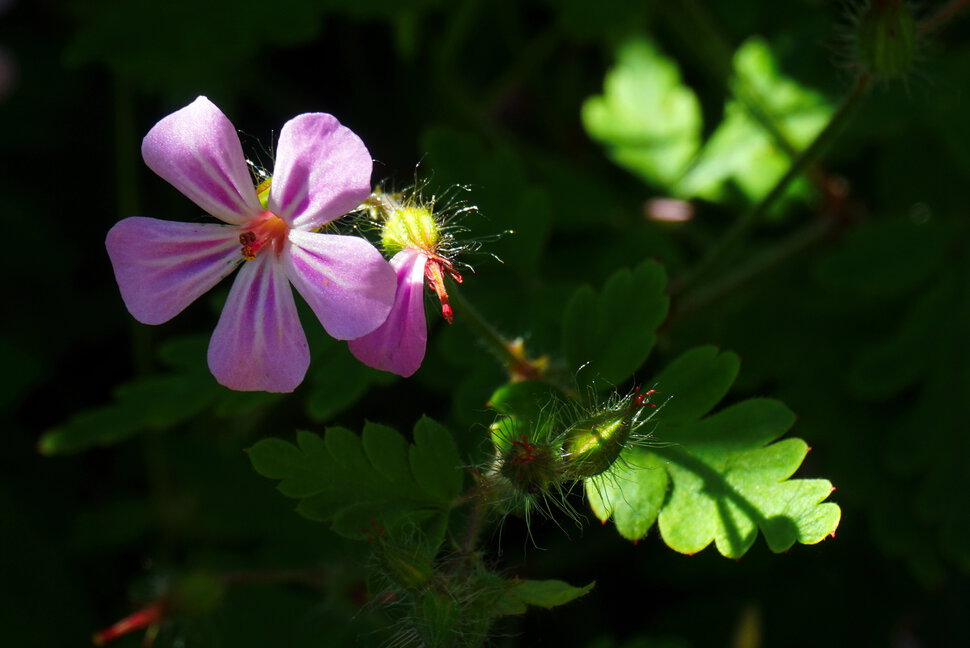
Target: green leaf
(610, 334)
(144, 404)
(717, 479)
(694, 383)
(769, 119)
(435, 462)
(304, 469)
(631, 492)
(648, 120)
(357, 482)
(541, 593)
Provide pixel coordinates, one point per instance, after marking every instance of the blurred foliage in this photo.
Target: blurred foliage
(852, 309)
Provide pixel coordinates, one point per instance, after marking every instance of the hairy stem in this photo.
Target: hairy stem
(943, 16)
(511, 353)
(737, 232)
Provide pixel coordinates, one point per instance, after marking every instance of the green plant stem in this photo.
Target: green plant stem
(776, 255)
(480, 496)
(749, 219)
(942, 16)
(510, 353)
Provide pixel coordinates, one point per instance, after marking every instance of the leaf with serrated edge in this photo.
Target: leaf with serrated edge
(547, 593)
(342, 477)
(725, 477)
(631, 493)
(648, 120)
(388, 453)
(690, 386)
(305, 468)
(611, 333)
(435, 462)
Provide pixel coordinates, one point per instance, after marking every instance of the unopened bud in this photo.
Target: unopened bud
(887, 38)
(438, 617)
(408, 567)
(594, 443)
(530, 466)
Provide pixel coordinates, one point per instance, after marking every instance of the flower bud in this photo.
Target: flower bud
(408, 567)
(438, 618)
(531, 466)
(594, 443)
(886, 35)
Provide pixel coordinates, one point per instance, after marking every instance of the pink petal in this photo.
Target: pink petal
(398, 344)
(344, 279)
(322, 171)
(162, 267)
(258, 344)
(198, 151)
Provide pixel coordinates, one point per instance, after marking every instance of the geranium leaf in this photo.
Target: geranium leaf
(435, 462)
(541, 593)
(610, 334)
(717, 479)
(354, 481)
(743, 150)
(648, 120)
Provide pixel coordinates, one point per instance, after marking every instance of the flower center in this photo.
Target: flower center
(267, 231)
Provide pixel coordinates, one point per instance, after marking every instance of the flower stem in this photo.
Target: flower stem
(749, 219)
(793, 245)
(943, 16)
(511, 353)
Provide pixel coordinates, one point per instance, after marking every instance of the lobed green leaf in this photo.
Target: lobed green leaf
(648, 120)
(541, 593)
(717, 479)
(610, 334)
(359, 482)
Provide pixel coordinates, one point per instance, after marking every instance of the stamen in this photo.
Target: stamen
(268, 230)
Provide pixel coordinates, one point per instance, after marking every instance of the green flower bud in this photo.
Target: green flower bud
(887, 38)
(408, 567)
(410, 227)
(594, 443)
(438, 617)
(530, 466)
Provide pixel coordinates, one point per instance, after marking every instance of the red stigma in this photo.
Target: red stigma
(641, 400)
(147, 616)
(527, 448)
(434, 272)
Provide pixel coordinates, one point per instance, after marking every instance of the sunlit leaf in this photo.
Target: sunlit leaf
(716, 479)
(541, 593)
(648, 120)
(743, 150)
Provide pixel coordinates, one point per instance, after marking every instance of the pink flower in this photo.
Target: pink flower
(414, 233)
(322, 171)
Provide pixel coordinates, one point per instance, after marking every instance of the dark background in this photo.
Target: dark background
(863, 334)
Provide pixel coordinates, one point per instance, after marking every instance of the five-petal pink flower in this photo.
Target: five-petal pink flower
(322, 171)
